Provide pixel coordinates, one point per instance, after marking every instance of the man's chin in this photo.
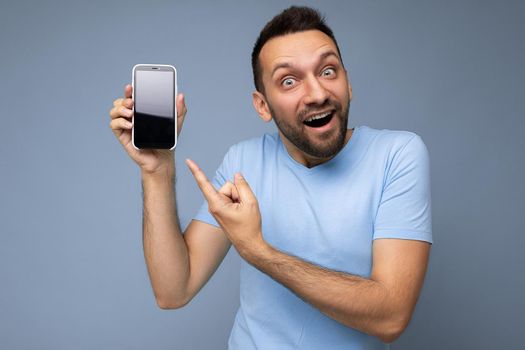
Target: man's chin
(324, 145)
(324, 151)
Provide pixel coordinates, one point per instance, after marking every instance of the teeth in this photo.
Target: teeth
(319, 116)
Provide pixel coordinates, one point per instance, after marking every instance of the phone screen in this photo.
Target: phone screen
(154, 115)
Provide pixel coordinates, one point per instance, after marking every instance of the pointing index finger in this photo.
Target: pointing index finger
(204, 184)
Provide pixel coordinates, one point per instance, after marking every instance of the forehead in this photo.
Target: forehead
(297, 47)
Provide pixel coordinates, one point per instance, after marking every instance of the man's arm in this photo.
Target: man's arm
(380, 306)
(178, 265)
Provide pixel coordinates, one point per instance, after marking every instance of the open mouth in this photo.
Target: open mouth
(319, 120)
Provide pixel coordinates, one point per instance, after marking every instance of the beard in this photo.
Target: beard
(331, 142)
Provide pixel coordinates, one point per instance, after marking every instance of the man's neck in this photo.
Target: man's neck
(306, 159)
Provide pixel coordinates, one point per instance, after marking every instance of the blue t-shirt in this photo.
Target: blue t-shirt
(377, 186)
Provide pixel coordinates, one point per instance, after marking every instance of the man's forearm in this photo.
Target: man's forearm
(354, 301)
(165, 250)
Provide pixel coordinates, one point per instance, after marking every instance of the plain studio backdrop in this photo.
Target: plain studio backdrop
(72, 270)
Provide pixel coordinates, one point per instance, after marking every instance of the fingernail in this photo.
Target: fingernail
(238, 175)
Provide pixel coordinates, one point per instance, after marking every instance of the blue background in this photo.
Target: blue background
(72, 271)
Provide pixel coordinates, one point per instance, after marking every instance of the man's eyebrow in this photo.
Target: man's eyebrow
(328, 54)
(281, 65)
(322, 57)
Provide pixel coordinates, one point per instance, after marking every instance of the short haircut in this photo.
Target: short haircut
(292, 20)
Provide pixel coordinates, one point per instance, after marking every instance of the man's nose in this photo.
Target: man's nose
(315, 92)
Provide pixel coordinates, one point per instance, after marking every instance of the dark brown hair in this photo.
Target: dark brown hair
(292, 20)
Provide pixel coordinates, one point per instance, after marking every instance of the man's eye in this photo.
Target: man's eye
(328, 72)
(288, 82)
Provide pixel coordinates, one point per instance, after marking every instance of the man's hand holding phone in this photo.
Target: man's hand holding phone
(150, 161)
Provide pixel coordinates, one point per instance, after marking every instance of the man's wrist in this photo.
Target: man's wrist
(163, 174)
(253, 252)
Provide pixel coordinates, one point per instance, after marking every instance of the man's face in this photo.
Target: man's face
(306, 91)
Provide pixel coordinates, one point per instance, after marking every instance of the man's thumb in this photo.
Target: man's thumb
(244, 190)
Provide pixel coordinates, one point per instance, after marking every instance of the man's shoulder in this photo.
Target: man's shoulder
(398, 145)
(390, 140)
(389, 135)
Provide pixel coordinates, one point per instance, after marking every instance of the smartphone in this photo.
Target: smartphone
(154, 108)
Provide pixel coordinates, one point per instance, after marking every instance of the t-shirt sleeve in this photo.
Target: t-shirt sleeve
(224, 173)
(405, 207)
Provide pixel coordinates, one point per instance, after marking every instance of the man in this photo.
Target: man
(333, 224)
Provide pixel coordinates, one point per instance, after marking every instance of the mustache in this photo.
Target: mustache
(314, 109)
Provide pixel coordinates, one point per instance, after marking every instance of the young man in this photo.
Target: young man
(333, 224)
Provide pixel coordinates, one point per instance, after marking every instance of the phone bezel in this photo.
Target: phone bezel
(154, 67)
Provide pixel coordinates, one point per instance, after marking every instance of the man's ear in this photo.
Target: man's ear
(350, 90)
(261, 106)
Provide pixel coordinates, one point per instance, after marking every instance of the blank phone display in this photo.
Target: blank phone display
(154, 109)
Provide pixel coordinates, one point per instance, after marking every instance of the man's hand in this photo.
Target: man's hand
(234, 207)
(149, 160)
